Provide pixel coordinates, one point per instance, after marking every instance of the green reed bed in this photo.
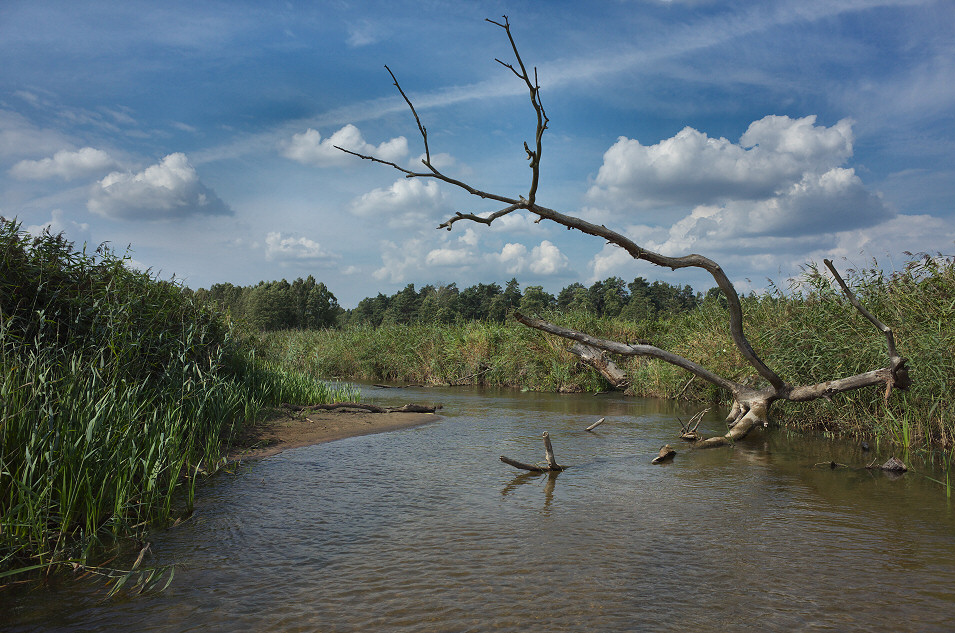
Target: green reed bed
(485, 353)
(117, 391)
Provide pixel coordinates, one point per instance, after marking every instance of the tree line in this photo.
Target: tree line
(278, 305)
(307, 304)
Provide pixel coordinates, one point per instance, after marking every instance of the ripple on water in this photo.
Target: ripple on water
(425, 530)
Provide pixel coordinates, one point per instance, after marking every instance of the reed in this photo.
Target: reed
(117, 391)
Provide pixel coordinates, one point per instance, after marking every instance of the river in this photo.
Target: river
(424, 529)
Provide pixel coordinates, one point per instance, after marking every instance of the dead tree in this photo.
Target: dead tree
(751, 405)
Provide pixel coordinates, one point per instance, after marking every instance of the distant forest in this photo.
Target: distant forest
(308, 304)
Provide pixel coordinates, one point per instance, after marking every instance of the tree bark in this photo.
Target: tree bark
(599, 360)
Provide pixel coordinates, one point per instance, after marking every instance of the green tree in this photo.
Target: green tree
(321, 308)
(476, 301)
(403, 306)
(536, 301)
(567, 295)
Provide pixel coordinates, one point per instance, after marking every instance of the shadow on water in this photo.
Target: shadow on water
(424, 529)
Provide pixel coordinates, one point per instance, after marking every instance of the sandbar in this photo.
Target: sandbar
(285, 431)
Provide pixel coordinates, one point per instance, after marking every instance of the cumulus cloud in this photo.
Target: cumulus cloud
(815, 207)
(170, 189)
(65, 164)
(544, 259)
(692, 169)
(310, 148)
(404, 263)
(279, 247)
(405, 203)
(400, 263)
(449, 257)
(782, 188)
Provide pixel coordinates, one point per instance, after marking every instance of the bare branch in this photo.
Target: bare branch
(375, 159)
(477, 218)
(898, 374)
(421, 128)
(552, 465)
(625, 349)
(885, 329)
(534, 156)
(687, 261)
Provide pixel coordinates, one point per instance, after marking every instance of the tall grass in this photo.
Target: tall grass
(117, 390)
(808, 334)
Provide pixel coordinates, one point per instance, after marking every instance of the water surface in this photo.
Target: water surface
(424, 529)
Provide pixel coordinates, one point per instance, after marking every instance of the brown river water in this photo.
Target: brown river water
(424, 529)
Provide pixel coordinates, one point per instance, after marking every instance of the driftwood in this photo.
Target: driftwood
(552, 465)
(666, 454)
(360, 406)
(595, 424)
(892, 464)
(688, 431)
(750, 405)
(381, 386)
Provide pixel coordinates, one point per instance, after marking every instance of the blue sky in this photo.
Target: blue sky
(761, 134)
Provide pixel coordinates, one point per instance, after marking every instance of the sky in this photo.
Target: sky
(200, 135)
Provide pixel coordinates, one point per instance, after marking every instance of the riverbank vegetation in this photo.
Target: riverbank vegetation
(305, 304)
(809, 331)
(118, 390)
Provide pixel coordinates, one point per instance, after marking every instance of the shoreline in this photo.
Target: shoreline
(284, 431)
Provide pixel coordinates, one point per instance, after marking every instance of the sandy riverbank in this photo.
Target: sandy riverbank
(292, 431)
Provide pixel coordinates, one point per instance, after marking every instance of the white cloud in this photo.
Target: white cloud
(65, 164)
(817, 206)
(168, 190)
(781, 189)
(400, 263)
(692, 169)
(278, 247)
(405, 203)
(404, 263)
(469, 237)
(449, 257)
(513, 258)
(310, 149)
(544, 259)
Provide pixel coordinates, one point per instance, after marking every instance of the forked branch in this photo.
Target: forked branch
(750, 405)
